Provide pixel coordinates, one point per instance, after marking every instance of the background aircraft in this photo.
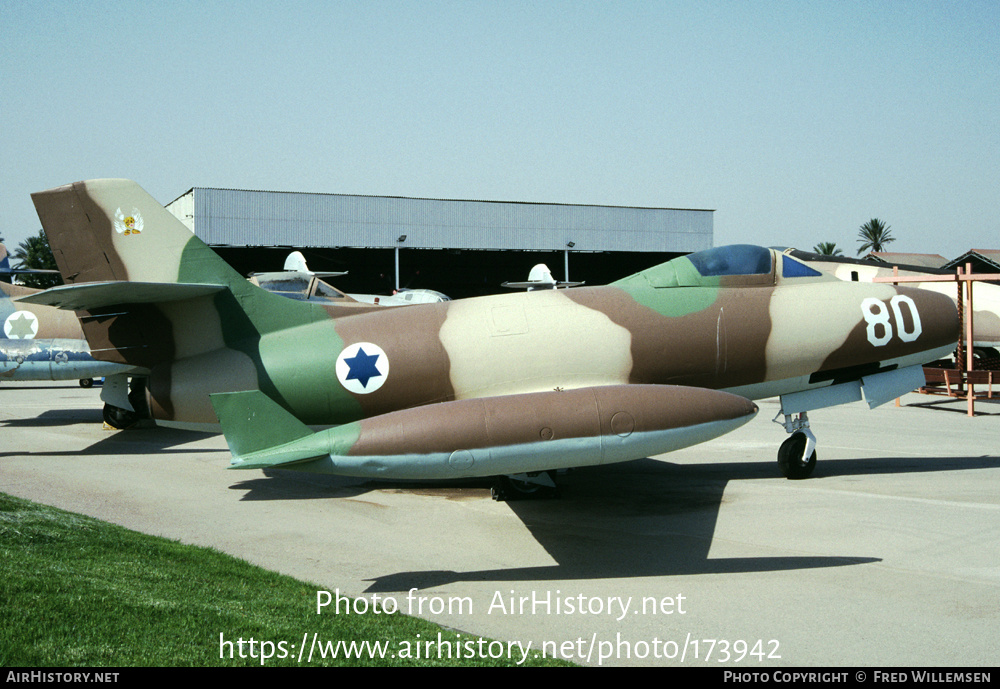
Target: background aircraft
(7, 272)
(296, 281)
(500, 385)
(540, 277)
(41, 342)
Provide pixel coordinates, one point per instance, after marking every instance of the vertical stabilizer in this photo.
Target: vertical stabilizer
(112, 229)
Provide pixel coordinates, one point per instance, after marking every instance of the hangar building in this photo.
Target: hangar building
(461, 248)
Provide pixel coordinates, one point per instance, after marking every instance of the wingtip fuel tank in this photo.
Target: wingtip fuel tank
(486, 436)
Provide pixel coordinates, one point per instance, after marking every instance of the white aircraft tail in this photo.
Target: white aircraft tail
(542, 275)
(296, 262)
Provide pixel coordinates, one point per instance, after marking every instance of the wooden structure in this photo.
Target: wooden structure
(952, 382)
(964, 380)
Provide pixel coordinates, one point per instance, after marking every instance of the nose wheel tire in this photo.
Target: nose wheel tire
(790, 460)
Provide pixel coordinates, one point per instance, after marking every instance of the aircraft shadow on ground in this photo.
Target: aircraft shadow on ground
(652, 519)
(149, 440)
(638, 519)
(646, 519)
(9, 384)
(57, 417)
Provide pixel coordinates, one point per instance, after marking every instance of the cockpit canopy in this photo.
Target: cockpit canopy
(737, 259)
(298, 285)
(732, 266)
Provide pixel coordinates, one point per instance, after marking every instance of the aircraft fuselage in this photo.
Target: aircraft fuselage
(757, 341)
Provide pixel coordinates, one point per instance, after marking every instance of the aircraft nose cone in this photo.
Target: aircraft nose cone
(747, 408)
(909, 323)
(938, 320)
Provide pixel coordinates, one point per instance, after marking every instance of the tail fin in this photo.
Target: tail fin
(111, 231)
(297, 262)
(541, 273)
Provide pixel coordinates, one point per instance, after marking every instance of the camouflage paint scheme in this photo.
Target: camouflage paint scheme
(740, 319)
(986, 296)
(42, 342)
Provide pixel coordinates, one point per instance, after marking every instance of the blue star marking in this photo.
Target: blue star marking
(362, 367)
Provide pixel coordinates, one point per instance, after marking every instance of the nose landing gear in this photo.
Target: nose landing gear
(797, 455)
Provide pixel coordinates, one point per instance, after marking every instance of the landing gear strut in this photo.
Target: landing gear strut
(533, 486)
(797, 455)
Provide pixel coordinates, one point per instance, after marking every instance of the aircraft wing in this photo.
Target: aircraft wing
(535, 284)
(484, 436)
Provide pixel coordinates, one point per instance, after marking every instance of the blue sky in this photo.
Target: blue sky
(795, 121)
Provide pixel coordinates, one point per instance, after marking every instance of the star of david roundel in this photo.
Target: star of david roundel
(362, 367)
(21, 325)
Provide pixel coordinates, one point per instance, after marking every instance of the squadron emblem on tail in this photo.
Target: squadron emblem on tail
(128, 224)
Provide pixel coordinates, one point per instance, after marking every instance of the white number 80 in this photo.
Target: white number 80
(877, 317)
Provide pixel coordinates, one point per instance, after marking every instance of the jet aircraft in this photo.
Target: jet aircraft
(296, 281)
(540, 277)
(506, 385)
(43, 343)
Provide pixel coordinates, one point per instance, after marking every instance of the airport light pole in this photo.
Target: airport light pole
(402, 238)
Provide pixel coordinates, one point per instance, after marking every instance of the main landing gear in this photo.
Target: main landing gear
(119, 418)
(797, 455)
(124, 401)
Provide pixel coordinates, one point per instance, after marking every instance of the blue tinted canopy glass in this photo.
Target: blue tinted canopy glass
(737, 259)
(790, 268)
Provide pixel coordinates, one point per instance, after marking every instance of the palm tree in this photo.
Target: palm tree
(827, 249)
(874, 235)
(34, 252)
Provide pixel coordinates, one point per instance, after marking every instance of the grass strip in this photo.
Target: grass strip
(76, 591)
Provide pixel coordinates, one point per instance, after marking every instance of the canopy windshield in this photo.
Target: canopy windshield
(737, 259)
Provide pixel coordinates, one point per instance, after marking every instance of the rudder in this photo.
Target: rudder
(112, 229)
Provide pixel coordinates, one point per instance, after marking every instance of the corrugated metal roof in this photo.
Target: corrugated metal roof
(232, 217)
(925, 260)
(988, 257)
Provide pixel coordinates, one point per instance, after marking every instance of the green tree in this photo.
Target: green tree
(4, 277)
(874, 235)
(827, 249)
(34, 252)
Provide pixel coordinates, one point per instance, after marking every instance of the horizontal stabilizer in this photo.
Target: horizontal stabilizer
(95, 295)
(256, 429)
